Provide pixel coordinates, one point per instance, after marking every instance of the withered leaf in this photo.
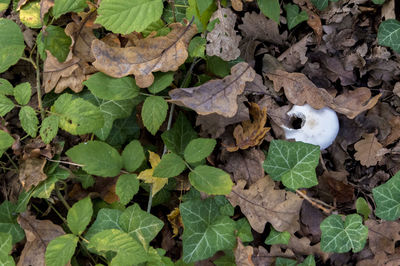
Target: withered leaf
(45, 6)
(383, 236)
(381, 258)
(295, 56)
(367, 150)
(262, 203)
(262, 257)
(31, 172)
(251, 132)
(216, 96)
(243, 254)
(303, 246)
(164, 53)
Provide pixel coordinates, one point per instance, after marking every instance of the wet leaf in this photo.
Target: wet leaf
(11, 44)
(367, 150)
(387, 198)
(147, 175)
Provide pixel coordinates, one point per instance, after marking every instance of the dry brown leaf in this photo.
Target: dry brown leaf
(45, 6)
(31, 172)
(38, 235)
(367, 150)
(243, 255)
(262, 203)
(164, 53)
(216, 96)
(175, 219)
(295, 57)
(222, 40)
(314, 22)
(262, 257)
(381, 258)
(303, 246)
(338, 186)
(383, 236)
(251, 132)
(237, 5)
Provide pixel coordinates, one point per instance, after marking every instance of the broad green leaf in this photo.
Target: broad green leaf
(123, 130)
(139, 224)
(106, 219)
(171, 165)
(363, 208)
(8, 221)
(341, 237)
(201, 19)
(320, 4)
(6, 141)
(205, 230)
(5, 250)
(97, 158)
(62, 7)
(276, 237)
(178, 11)
(285, 262)
(156, 257)
(211, 180)
(270, 8)
(378, 2)
(127, 186)
(4, 4)
(244, 230)
(77, 116)
(154, 112)
(29, 14)
(5, 87)
(59, 251)
(133, 156)
(79, 215)
(6, 105)
(309, 261)
(108, 88)
(29, 120)
(198, 149)
(120, 16)
(389, 34)
(85, 179)
(128, 249)
(177, 138)
(22, 93)
(387, 199)
(56, 41)
(11, 44)
(227, 260)
(197, 47)
(157, 26)
(161, 81)
(292, 162)
(294, 16)
(204, 5)
(49, 128)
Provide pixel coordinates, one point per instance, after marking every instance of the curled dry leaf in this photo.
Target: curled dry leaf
(251, 132)
(243, 255)
(367, 150)
(216, 96)
(262, 203)
(222, 40)
(164, 53)
(31, 172)
(175, 219)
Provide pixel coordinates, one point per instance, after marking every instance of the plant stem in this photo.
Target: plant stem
(38, 91)
(61, 198)
(12, 161)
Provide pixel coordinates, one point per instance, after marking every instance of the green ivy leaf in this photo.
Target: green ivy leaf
(97, 158)
(6, 105)
(56, 41)
(5, 250)
(387, 198)
(8, 221)
(29, 14)
(276, 237)
(4, 4)
(211, 180)
(49, 128)
(309, 261)
(106, 219)
(5, 87)
(59, 251)
(120, 16)
(270, 8)
(244, 230)
(322, 4)
(389, 34)
(292, 162)
(108, 88)
(363, 208)
(133, 156)
(29, 120)
(6, 141)
(22, 93)
(11, 44)
(205, 230)
(294, 16)
(154, 112)
(62, 7)
(378, 2)
(285, 262)
(171, 165)
(341, 237)
(79, 215)
(198, 149)
(127, 186)
(161, 81)
(197, 47)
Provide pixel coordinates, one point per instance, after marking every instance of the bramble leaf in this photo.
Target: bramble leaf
(29, 120)
(127, 186)
(170, 165)
(29, 14)
(387, 198)
(49, 128)
(270, 8)
(161, 81)
(133, 156)
(59, 251)
(8, 221)
(62, 7)
(5, 141)
(154, 112)
(5, 87)
(148, 175)
(5, 250)
(56, 41)
(22, 93)
(6, 105)
(11, 43)
(198, 149)
(211, 180)
(80, 215)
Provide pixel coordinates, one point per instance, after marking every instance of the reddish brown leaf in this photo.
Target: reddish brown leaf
(367, 150)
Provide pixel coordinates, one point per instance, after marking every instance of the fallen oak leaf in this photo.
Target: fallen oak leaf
(163, 53)
(243, 254)
(216, 96)
(147, 175)
(367, 150)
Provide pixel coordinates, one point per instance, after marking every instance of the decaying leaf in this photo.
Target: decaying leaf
(175, 219)
(261, 257)
(252, 132)
(367, 150)
(295, 56)
(303, 246)
(45, 6)
(147, 175)
(261, 203)
(38, 235)
(164, 53)
(383, 236)
(216, 96)
(31, 172)
(243, 254)
(222, 40)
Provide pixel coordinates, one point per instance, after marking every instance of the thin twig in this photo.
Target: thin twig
(38, 91)
(314, 203)
(65, 162)
(61, 198)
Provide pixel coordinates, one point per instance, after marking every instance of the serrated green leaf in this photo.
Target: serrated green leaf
(341, 237)
(29, 14)
(79, 215)
(6, 141)
(198, 149)
(6, 105)
(171, 165)
(161, 81)
(154, 112)
(5, 250)
(244, 230)
(197, 47)
(106, 219)
(320, 4)
(127, 186)
(363, 208)
(59, 251)
(56, 41)
(4, 4)
(108, 88)
(5, 87)
(292, 162)
(11, 44)
(276, 237)
(389, 34)
(176, 12)
(309, 261)
(270, 8)
(62, 7)
(120, 16)
(8, 221)
(128, 249)
(285, 262)
(97, 158)
(205, 230)
(387, 199)
(49, 128)
(22, 93)
(177, 138)
(133, 155)
(211, 180)
(294, 16)
(29, 120)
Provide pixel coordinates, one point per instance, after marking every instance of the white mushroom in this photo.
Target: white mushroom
(318, 127)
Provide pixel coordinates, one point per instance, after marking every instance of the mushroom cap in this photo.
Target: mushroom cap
(319, 127)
